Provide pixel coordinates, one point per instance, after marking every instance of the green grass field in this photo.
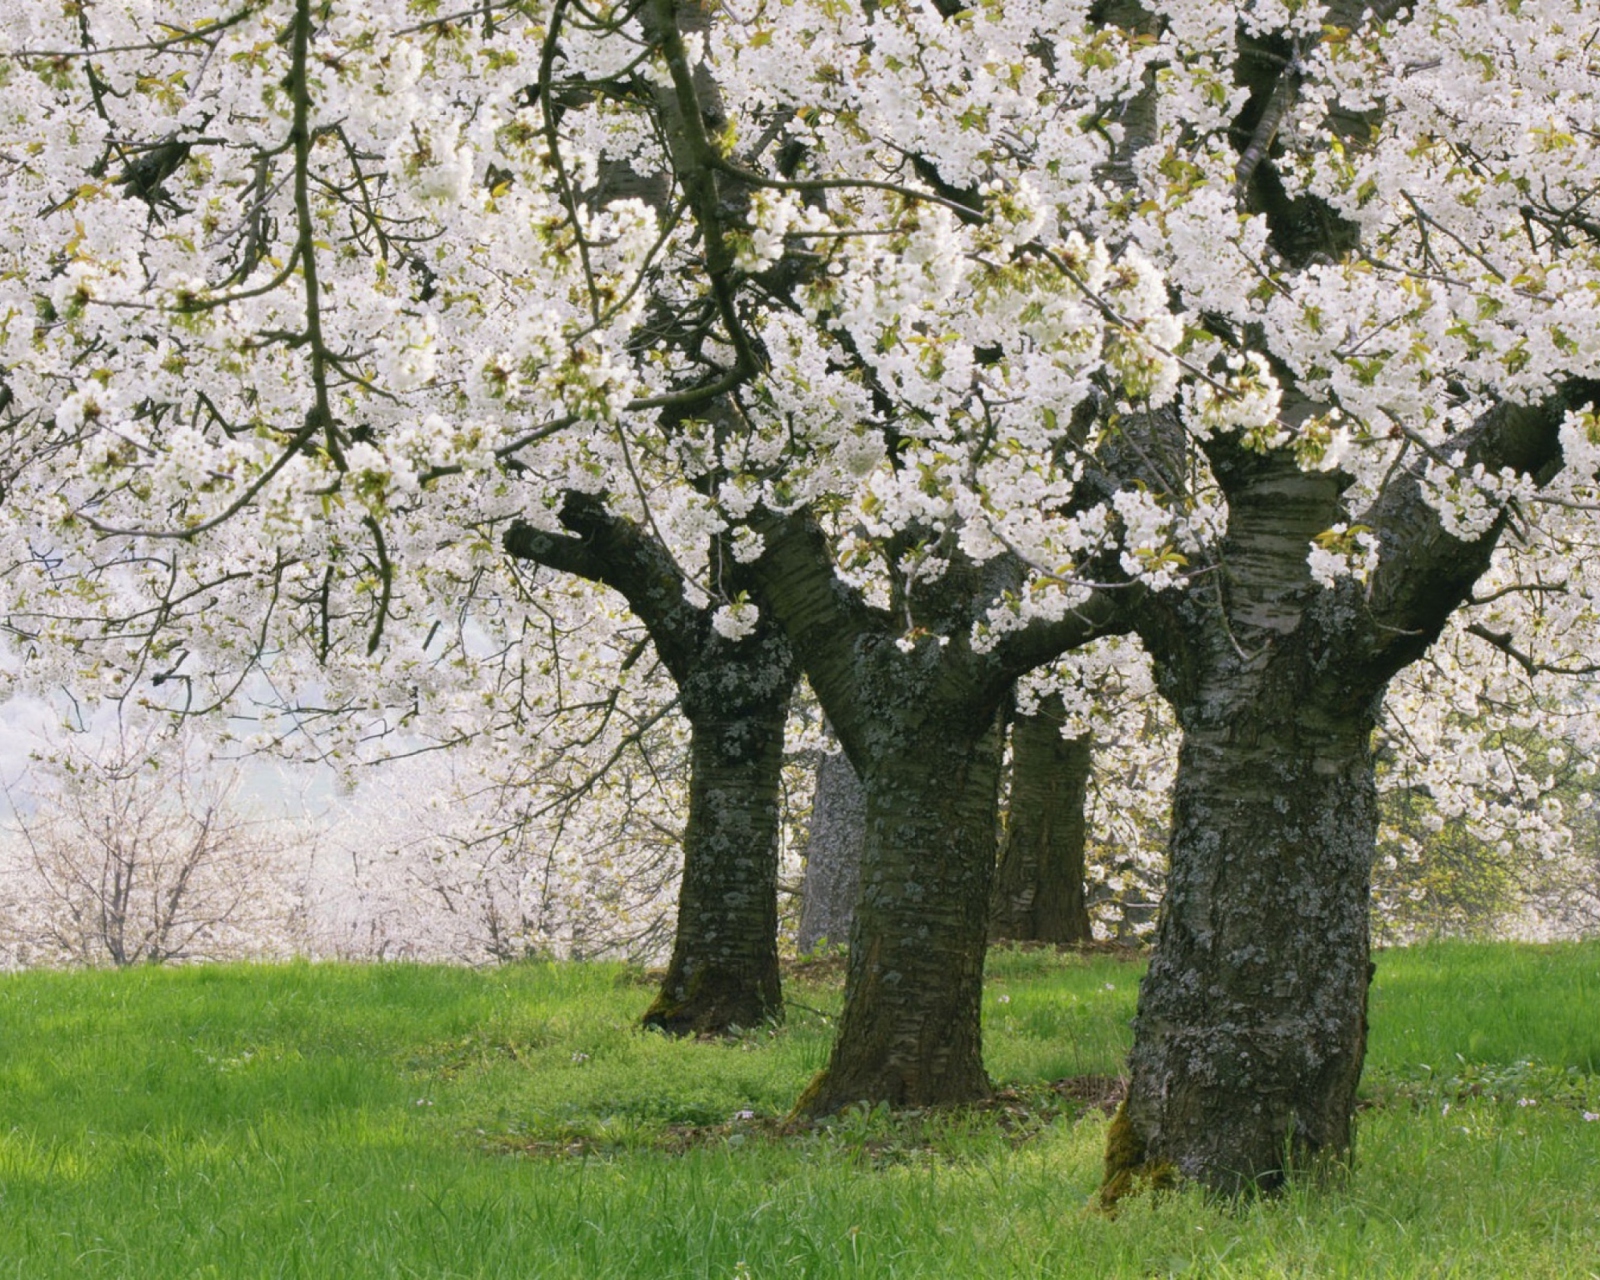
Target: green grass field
(336, 1121)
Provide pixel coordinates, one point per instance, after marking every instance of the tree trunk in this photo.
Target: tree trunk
(833, 855)
(724, 969)
(909, 1034)
(1251, 1026)
(1039, 894)
(918, 714)
(1252, 1020)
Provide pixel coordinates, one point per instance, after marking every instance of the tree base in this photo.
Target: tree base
(827, 1095)
(711, 1008)
(1128, 1172)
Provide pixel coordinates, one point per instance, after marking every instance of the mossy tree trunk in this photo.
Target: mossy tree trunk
(723, 973)
(1039, 889)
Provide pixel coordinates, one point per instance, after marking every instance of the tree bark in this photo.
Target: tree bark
(833, 855)
(1251, 1025)
(909, 1034)
(723, 973)
(1251, 1028)
(1039, 890)
(724, 968)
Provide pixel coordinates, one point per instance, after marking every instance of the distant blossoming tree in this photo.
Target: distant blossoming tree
(135, 849)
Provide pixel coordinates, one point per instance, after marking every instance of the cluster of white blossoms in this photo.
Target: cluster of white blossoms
(1244, 399)
(735, 621)
(1343, 551)
(1469, 501)
(301, 303)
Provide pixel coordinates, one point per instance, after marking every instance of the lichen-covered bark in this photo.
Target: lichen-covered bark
(1252, 1020)
(833, 855)
(724, 968)
(1039, 891)
(1251, 1025)
(1250, 1028)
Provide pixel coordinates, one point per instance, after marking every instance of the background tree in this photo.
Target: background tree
(492, 851)
(1485, 776)
(833, 855)
(1086, 801)
(1039, 893)
(136, 849)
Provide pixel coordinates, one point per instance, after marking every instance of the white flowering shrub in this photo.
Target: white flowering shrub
(1487, 765)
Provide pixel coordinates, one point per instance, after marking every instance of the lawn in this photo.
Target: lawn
(391, 1120)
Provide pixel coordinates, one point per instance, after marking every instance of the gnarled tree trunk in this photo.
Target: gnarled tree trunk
(919, 714)
(1251, 1027)
(1039, 891)
(1252, 1019)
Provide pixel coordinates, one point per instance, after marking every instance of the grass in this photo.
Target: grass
(339, 1121)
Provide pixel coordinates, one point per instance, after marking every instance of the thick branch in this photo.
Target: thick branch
(305, 225)
(684, 108)
(827, 621)
(1425, 573)
(1108, 611)
(611, 549)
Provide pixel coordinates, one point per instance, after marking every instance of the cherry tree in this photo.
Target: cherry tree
(734, 685)
(834, 835)
(257, 273)
(1039, 893)
(1412, 421)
